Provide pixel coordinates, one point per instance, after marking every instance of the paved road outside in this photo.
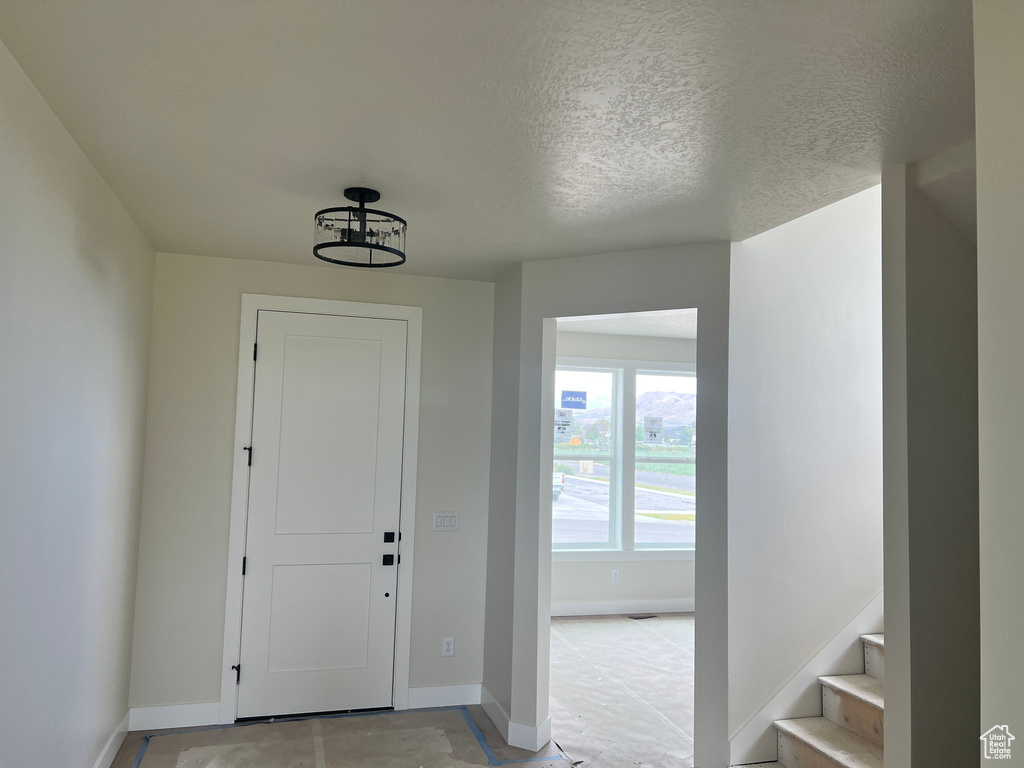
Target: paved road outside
(580, 515)
(645, 477)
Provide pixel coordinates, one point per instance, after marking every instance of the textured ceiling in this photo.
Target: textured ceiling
(668, 324)
(502, 130)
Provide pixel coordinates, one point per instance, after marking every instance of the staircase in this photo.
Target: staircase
(851, 732)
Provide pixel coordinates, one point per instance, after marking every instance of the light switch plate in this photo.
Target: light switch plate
(446, 521)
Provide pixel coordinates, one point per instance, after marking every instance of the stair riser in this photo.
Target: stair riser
(794, 753)
(874, 661)
(853, 714)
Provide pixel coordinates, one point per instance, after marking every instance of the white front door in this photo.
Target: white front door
(319, 596)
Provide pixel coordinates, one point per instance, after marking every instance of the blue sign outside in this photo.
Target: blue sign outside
(577, 400)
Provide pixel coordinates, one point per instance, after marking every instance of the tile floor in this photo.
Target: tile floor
(622, 690)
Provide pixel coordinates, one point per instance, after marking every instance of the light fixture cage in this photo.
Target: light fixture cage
(360, 236)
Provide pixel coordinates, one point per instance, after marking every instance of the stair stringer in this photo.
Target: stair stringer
(756, 740)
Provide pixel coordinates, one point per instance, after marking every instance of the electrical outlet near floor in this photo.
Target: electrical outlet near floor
(448, 646)
(615, 574)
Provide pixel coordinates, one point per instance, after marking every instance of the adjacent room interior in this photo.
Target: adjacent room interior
(623, 536)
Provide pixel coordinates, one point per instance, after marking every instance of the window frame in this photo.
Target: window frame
(623, 540)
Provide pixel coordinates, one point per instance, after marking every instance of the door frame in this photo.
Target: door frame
(251, 305)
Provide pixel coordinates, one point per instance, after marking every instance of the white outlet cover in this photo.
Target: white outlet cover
(448, 646)
(446, 521)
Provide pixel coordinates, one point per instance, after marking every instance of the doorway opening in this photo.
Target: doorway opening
(623, 518)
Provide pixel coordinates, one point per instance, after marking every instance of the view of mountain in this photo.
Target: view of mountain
(674, 407)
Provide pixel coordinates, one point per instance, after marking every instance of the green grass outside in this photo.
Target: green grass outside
(670, 515)
(684, 470)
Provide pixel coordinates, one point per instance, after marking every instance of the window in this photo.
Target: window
(664, 485)
(586, 470)
(624, 482)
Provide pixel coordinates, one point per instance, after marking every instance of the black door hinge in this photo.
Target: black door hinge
(249, 449)
(254, 352)
(243, 565)
(238, 673)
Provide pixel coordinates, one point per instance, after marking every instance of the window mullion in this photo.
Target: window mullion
(627, 464)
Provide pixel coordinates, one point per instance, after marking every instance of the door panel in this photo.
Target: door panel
(328, 435)
(319, 605)
(318, 617)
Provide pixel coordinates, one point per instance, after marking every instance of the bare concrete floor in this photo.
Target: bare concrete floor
(622, 690)
(455, 737)
(621, 695)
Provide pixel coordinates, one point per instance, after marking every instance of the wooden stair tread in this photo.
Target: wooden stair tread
(863, 687)
(832, 741)
(876, 640)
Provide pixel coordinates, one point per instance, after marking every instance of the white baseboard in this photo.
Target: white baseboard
(208, 713)
(528, 736)
(515, 734)
(756, 741)
(175, 716)
(618, 607)
(113, 744)
(444, 696)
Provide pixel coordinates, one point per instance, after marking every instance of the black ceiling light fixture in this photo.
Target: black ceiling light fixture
(360, 237)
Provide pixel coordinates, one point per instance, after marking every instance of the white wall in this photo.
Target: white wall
(666, 278)
(586, 588)
(189, 451)
(930, 390)
(999, 60)
(75, 306)
(805, 450)
(501, 531)
(581, 587)
(575, 344)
